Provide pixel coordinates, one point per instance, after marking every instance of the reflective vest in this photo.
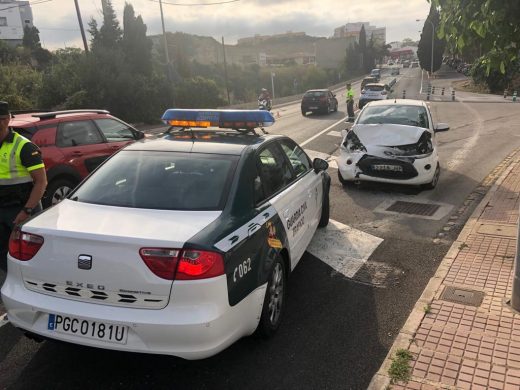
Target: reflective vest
(11, 169)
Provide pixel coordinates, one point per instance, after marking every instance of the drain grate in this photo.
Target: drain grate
(414, 208)
(462, 296)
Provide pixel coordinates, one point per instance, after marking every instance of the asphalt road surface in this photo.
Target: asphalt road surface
(341, 318)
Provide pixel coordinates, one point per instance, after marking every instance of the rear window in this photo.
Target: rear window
(314, 94)
(374, 88)
(160, 180)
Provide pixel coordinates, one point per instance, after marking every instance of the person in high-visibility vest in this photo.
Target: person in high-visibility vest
(22, 180)
(350, 102)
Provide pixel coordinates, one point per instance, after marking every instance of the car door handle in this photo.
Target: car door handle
(309, 193)
(77, 153)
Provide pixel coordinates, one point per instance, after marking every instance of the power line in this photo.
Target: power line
(197, 4)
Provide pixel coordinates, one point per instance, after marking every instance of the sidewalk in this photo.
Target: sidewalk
(461, 333)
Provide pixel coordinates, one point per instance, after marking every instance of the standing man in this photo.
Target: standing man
(350, 103)
(22, 180)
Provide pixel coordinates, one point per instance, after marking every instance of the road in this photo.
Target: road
(340, 322)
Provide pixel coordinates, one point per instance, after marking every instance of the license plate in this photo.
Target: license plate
(90, 329)
(313, 108)
(385, 167)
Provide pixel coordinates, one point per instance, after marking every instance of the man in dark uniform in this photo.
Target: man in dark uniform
(22, 180)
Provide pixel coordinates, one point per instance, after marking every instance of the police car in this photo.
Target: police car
(179, 245)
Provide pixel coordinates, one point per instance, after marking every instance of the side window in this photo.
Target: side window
(78, 133)
(299, 160)
(275, 172)
(115, 131)
(258, 189)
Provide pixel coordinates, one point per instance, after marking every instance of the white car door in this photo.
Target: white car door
(287, 195)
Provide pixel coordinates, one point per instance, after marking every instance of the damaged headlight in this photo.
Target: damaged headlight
(353, 144)
(420, 149)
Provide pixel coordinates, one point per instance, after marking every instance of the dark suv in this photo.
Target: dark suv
(73, 144)
(319, 100)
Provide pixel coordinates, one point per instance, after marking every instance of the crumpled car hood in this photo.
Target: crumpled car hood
(388, 134)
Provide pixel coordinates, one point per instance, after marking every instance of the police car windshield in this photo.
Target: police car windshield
(394, 114)
(160, 180)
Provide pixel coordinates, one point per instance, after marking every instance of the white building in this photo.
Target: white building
(14, 16)
(353, 30)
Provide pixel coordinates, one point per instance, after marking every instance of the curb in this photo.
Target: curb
(404, 339)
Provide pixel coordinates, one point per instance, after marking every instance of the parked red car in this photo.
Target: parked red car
(73, 144)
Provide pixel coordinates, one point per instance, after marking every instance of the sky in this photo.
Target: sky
(59, 28)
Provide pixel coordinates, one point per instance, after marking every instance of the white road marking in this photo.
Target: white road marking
(3, 320)
(334, 133)
(460, 155)
(343, 248)
(321, 132)
(324, 156)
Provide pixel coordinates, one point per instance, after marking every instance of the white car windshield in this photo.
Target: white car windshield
(395, 114)
(160, 180)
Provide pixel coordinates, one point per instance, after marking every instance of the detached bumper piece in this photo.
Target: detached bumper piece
(386, 168)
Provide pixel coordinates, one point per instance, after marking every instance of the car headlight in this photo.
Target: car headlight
(353, 144)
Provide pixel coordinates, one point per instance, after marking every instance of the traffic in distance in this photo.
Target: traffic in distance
(179, 245)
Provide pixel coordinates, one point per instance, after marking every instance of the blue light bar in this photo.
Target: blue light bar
(232, 119)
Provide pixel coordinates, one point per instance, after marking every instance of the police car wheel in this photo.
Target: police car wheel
(274, 301)
(325, 211)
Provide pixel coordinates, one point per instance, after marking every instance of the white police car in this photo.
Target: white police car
(179, 245)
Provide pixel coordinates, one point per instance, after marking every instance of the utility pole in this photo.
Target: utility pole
(81, 26)
(225, 71)
(164, 37)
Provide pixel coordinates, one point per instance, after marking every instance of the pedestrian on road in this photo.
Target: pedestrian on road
(22, 180)
(350, 103)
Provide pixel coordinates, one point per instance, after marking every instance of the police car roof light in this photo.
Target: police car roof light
(229, 119)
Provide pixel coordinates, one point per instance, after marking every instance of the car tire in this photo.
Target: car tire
(274, 300)
(304, 113)
(431, 185)
(325, 210)
(56, 191)
(336, 108)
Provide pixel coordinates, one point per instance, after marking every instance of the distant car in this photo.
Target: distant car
(415, 64)
(395, 71)
(376, 73)
(73, 144)
(372, 92)
(390, 63)
(319, 100)
(368, 80)
(179, 245)
(406, 64)
(392, 141)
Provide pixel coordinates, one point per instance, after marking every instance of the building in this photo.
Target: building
(352, 30)
(14, 16)
(262, 38)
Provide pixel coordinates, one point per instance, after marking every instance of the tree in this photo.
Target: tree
(409, 42)
(137, 47)
(424, 51)
(31, 37)
(489, 25)
(363, 47)
(110, 34)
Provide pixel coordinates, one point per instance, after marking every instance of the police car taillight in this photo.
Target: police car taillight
(195, 264)
(23, 246)
(190, 264)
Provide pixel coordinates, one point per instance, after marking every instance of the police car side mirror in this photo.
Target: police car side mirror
(139, 135)
(320, 165)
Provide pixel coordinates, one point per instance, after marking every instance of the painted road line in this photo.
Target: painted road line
(334, 133)
(343, 248)
(324, 156)
(3, 320)
(322, 132)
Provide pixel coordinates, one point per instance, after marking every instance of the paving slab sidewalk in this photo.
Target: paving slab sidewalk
(468, 345)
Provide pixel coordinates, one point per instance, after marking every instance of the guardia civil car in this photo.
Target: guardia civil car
(179, 245)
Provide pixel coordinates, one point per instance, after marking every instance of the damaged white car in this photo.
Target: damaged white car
(391, 141)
